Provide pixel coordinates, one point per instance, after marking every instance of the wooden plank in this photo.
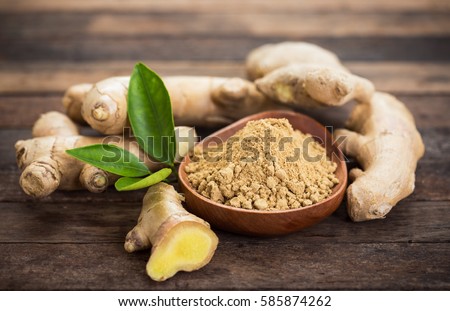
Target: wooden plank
(11, 192)
(431, 116)
(432, 180)
(28, 108)
(43, 77)
(40, 78)
(234, 6)
(210, 48)
(244, 265)
(74, 240)
(109, 222)
(39, 222)
(405, 78)
(430, 111)
(84, 26)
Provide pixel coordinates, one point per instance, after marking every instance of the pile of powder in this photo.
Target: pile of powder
(264, 166)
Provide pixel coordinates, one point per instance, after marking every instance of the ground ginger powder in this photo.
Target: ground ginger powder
(264, 166)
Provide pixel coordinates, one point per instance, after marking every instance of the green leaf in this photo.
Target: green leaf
(150, 114)
(129, 183)
(111, 158)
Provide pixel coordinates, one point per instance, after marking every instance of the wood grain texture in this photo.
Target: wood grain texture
(213, 48)
(429, 110)
(42, 78)
(432, 180)
(110, 221)
(82, 26)
(74, 240)
(234, 6)
(238, 264)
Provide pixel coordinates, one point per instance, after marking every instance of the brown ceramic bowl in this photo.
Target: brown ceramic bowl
(268, 223)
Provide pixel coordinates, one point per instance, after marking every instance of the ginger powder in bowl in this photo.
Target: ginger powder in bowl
(265, 166)
(268, 174)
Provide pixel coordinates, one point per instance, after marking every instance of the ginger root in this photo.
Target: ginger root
(385, 141)
(46, 166)
(54, 123)
(180, 241)
(72, 101)
(305, 75)
(310, 86)
(387, 145)
(269, 57)
(202, 101)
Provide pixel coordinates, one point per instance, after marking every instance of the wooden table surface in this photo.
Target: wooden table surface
(74, 240)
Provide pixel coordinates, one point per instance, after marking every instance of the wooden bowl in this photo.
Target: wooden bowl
(268, 223)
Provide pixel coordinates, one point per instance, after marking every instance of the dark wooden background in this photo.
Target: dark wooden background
(73, 240)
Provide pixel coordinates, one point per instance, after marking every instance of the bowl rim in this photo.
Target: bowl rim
(342, 185)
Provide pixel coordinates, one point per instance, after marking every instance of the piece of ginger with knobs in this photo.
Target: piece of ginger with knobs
(46, 166)
(196, 101)
(180, 241)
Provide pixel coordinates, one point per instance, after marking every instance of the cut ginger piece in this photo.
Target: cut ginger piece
(186, 247)
(180, 241)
